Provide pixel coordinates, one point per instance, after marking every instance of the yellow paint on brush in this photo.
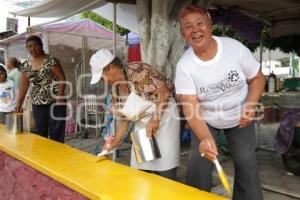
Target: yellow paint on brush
(100, 158)
(223, 177)
(95, 180)
(225, 181)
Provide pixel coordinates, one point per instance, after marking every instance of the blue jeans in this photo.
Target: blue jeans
(46, 125)
(242, 149)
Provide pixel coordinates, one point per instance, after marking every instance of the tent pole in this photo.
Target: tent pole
(84, 61)
(261, 49)
(115, 121)
(114, 28)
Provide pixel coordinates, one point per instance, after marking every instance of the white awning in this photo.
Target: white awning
(59, 8)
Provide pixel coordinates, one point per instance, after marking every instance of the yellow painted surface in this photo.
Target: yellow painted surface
(103, 180)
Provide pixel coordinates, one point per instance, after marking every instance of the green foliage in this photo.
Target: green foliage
(228, 31)
(104, 22)
(286, 44)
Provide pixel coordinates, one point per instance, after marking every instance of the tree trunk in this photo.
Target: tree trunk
(161, 41)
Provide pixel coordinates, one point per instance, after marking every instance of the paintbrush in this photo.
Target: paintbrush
(102, 155)
(223, 177)
(104, 152)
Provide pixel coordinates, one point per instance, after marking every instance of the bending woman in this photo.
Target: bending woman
(149, 86)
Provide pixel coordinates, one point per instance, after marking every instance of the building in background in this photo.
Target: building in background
(281, 64)
(12, 24)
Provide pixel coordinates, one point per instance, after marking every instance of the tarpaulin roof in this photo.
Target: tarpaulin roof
(283, 16)
(20, 38)
(84, 27)
(59, 8)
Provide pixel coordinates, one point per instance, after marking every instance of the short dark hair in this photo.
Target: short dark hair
(36, 39)
(116, 61)
(2, 69)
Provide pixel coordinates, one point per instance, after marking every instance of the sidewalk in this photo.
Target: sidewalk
(277, 183)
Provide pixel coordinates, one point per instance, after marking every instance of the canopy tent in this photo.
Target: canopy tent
(59, 8)
(72, 42)
(68, 34)
(282, 16)
(15, 46)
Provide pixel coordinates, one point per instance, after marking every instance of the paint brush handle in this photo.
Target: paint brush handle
(218, 166)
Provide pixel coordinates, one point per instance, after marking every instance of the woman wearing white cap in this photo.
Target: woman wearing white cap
(143, 86)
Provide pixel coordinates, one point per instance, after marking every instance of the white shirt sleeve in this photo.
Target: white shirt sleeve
(184, 82)
(249, 64)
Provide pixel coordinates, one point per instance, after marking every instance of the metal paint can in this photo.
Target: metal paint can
(14, 123)
(145, 148)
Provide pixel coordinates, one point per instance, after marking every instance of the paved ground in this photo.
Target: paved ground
(277, 183)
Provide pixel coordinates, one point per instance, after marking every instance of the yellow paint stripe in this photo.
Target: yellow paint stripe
(96, 180)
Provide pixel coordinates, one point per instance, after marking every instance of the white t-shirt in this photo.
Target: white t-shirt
(7, 96)
(220, 83)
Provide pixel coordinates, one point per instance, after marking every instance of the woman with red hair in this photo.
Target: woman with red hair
(219, 83)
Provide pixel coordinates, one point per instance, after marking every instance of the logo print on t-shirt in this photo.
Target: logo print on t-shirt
(232, 80)
(233, 76)
(5, 97)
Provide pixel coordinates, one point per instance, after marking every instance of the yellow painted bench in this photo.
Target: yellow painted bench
(96, 180)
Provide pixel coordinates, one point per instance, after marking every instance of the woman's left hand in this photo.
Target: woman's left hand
(152, 126)
(247, 116)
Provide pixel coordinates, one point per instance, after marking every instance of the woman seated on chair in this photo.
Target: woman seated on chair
(148, 85)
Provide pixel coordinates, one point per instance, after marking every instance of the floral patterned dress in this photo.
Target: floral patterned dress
(146, 80)
(43, 88)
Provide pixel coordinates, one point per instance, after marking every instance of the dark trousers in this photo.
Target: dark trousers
(46, 125)
(242, 149)
(2, 117)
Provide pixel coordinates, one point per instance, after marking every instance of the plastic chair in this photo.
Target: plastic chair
(92, 111)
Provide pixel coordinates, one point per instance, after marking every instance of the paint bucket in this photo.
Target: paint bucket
(14, 123)
(145, 148)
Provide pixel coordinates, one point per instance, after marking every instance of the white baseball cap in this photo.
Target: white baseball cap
(98, 61)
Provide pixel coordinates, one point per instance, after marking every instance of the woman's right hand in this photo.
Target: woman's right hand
(208, 148)
(110, 144)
